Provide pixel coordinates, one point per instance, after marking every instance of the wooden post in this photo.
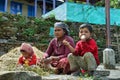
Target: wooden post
(107, 9)
(108, 53)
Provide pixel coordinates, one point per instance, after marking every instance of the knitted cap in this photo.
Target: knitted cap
(27, 48)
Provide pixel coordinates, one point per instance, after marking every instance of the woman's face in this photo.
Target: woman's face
(59, 32)
(86, 32)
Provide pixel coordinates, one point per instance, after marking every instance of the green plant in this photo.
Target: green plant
(19, 21)
(29, 32)
(101, 42)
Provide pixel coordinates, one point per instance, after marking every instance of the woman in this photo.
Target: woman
(56, 53)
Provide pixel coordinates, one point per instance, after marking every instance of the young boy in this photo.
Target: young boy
(85, 55)
(28, 57)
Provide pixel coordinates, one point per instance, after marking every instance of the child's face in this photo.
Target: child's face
(26, 55)
(86, 32)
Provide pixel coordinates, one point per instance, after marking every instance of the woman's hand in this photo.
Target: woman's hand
(69, 46)
(49, 59)
(66, 42)
(46, 60)
(55, 58)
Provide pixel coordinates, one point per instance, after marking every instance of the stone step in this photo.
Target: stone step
(64, 77)
(108, 74)
(19, 75)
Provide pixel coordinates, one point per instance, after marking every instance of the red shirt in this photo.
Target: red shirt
(31, 60)
(88, 46)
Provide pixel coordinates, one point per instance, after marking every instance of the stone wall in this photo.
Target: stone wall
(6, 46)
(16, 29)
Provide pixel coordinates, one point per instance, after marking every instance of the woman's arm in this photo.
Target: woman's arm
(69, 46)
(76, 51)
(49, 50)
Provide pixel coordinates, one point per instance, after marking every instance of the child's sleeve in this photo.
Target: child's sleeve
(77, 49)
(91, 47)
(33, 60)
(20, 61)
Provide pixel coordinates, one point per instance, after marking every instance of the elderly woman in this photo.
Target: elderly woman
(55, 56)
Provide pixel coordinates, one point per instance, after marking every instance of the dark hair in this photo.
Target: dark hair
(88, 26)
(66, 32)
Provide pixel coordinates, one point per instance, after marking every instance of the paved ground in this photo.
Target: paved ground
(109, 74)
(101, 74)
(65, 77)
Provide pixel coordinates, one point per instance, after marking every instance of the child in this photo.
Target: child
(28, 57)
(85, 54)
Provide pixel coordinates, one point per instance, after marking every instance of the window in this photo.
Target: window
(16, 8)
(31, 11)
(2, 5)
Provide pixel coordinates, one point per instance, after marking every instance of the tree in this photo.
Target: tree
(113, 3)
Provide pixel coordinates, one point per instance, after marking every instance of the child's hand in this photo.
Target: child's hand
(66, 42)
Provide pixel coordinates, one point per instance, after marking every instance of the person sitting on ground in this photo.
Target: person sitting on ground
(85, 55)
(55, 57)
(28, 57)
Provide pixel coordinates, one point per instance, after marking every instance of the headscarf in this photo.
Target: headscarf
(63, 26)
(27, 48)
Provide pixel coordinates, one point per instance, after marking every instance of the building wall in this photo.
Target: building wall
(25, 7)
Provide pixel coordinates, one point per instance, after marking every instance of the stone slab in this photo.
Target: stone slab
(64, 77)
(110, 74)
(19, 75)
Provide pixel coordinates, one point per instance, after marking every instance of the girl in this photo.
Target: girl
(28, 57)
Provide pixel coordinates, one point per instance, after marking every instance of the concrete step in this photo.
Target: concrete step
(107, 74)
(64, 77)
